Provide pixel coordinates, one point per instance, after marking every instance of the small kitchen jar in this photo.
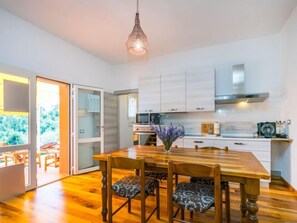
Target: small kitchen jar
(216, 128)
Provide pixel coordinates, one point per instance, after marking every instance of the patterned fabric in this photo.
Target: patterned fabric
(129, 186)
(193, 196)
(157, 175)
(207, 181)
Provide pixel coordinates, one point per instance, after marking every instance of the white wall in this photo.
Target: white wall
(125, 126)
(25, 46)
(289, 107)
(262, 66)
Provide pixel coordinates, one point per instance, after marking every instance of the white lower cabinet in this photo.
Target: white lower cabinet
(177, 143)
(261, 149)
(192, 142)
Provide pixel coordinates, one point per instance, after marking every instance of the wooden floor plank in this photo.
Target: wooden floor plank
(78, 199)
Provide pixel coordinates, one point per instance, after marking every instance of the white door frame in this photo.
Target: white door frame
(31, 146)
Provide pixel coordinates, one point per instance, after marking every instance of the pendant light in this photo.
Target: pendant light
(137, 43)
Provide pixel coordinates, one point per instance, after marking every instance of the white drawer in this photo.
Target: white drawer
(260, 155)
(246, 145)
(178, 142)
(192, 142)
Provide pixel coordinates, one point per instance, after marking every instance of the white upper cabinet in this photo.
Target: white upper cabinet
(200, 89)
(149, 94)
(186, 91)
(173, 94)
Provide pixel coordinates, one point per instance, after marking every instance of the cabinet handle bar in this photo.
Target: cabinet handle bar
(239, 143)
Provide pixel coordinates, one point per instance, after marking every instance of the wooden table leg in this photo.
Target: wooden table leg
(243, 207)
(103, 169)
(252, 191)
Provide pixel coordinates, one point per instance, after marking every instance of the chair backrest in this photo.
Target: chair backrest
(211, 148)
(125, 163)
(196, 170)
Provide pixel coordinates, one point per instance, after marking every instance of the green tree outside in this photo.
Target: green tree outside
(14, 129)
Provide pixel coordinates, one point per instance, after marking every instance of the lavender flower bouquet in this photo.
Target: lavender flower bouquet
(168, 134)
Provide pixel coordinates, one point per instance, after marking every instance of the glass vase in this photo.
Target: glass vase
(167, 146)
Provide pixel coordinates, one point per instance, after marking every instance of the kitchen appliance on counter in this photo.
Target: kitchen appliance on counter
(266, 129)
(144, 135)
(147, 118)
(282, 129)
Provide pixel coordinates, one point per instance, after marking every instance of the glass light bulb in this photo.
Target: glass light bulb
(138, 45)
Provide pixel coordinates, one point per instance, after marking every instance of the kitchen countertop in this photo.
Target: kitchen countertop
(199, 136)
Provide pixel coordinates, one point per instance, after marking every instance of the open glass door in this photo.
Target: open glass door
(17, 131)
(87, 129)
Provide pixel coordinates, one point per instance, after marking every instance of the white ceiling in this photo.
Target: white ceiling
(101, 27)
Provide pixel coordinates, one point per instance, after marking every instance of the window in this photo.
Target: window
(14, 110)
(132, 105)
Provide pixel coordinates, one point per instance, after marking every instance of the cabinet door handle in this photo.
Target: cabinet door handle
(239, 143)
(197, 141)
(200, 108)
(173, 109)
(150, 110)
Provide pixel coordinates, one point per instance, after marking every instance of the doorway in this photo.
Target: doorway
(127, 106)
(52, 114)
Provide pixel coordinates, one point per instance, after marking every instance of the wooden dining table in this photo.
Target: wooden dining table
(239, 167)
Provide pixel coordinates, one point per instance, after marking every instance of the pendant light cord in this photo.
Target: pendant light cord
(137, 6)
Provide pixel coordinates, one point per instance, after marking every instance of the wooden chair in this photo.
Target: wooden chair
(52, 159)
(7, 157)
(224, 185)
(3, 158)
(52, 156)
(38, 159)
(160, 175)
(192, 196)
(132, 186)
(23, 157)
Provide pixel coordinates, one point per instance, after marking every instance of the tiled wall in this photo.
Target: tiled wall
(239, 118)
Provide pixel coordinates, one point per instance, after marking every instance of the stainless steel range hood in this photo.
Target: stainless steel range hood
(239, 94)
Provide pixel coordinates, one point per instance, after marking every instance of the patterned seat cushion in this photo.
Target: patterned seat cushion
(207, 181)
(129, 186)
(194, 197)
(157, 175)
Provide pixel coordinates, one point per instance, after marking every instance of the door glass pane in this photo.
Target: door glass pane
(14, 110)
(89, 113)
(85, 153)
